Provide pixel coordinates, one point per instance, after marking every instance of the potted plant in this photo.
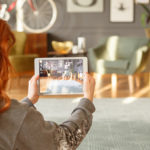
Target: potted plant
(145, 19)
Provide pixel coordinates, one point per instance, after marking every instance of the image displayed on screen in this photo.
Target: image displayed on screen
(61, 76)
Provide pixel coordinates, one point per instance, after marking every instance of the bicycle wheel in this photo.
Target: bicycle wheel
(42, 19)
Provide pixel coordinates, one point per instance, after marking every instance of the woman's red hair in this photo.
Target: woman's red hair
(6, 42)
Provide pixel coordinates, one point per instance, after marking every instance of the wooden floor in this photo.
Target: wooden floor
(123, 86)
(106, 86)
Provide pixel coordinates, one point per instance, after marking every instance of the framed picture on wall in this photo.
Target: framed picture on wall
(78, 6)
(142, 1)
(121, 10)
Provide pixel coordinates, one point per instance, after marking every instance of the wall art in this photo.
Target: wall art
(142, 1)
(79, 6)
(121, 10)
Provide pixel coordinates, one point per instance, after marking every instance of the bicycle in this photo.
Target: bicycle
(37, 15)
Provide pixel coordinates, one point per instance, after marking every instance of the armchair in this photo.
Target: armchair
(118, 55)
(21, 62)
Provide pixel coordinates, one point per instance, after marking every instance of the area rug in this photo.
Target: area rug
(118, 124)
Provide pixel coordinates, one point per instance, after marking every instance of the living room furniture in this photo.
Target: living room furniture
(62, 47)
(36, 44)
(55, 54)
(118, 55)
(20, 61)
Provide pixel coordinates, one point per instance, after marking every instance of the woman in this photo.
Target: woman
(22, 127)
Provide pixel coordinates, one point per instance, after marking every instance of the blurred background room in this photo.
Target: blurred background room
(115, 37)
(113, 34)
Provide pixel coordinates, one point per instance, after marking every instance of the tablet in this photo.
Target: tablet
(61, 75)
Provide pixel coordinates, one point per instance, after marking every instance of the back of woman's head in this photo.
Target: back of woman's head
(6, 42)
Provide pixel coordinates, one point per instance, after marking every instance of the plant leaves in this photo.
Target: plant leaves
(143, 19)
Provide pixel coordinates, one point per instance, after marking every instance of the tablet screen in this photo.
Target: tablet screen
(62, 76)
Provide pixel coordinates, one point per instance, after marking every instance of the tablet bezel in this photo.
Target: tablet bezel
(36, 70)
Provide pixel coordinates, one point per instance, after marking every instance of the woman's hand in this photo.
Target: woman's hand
(33, 94)
(88, 86)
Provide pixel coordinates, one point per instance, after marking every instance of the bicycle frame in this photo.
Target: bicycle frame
(13, 4)
(5, 9)
(30, 2)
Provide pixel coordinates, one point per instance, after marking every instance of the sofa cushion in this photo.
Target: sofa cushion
(117, 64)
(128, 45)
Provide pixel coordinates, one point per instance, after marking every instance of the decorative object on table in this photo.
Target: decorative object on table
(75, 49)
(62, 47)
(145, 19)
(85, 5)
(121, 10)
(81, 44)
(142, 1)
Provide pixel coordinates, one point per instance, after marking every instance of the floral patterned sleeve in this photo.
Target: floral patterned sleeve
(69, 134)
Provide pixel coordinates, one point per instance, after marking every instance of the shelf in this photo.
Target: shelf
(51, 54)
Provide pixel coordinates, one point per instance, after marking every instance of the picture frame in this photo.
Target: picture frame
(142, 1)
(83, 6)
(121, 10)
